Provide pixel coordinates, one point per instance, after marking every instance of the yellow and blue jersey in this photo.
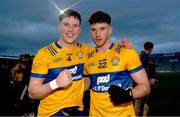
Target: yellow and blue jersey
(112, 67)
(48, 63)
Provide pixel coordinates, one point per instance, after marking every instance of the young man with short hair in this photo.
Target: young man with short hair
(110, 72)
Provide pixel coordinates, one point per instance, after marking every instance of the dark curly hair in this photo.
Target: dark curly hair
(99, 17)
(148, 45)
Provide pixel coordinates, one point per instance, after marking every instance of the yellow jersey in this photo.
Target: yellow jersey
(112, 67)
(48, 63)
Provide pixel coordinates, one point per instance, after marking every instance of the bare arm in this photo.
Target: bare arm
(143, 87)
(86, 83)
(38, 90)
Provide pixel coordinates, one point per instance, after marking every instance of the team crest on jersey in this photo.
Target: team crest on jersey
(79, 54)
(115, 61)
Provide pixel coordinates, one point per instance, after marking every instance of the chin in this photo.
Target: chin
(70, 42)
(98, 45)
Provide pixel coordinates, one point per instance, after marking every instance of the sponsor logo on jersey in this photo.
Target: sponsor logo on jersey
(101, 88)
(73, 70)
(103, 79)
(104, 88)
(77, 77)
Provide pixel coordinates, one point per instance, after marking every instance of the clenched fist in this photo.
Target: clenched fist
(64, 79)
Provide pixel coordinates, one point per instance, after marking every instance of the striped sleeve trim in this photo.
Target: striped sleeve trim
(136, 69)
(38, 75)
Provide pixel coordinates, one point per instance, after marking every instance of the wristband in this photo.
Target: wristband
(53, 85)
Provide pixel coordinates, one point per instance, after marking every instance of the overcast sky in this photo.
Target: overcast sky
(28, 25)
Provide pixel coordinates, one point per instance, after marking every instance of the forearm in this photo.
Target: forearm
(86, 83)
(39, 91)
(140, 90)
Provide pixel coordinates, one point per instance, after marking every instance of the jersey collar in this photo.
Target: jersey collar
(110, 47)
(59, 46)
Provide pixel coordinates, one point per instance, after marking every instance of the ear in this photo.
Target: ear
(110, 30)
(80, 30)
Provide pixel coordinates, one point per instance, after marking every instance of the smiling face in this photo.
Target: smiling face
(70, 30)
(100, 33)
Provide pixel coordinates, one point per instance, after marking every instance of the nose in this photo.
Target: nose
(70, 28)
(97, 33)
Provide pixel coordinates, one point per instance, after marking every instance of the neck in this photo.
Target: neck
(104, 47)
(64, 44)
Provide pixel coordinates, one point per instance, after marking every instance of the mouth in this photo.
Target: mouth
(69, 35)
(98, 40)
